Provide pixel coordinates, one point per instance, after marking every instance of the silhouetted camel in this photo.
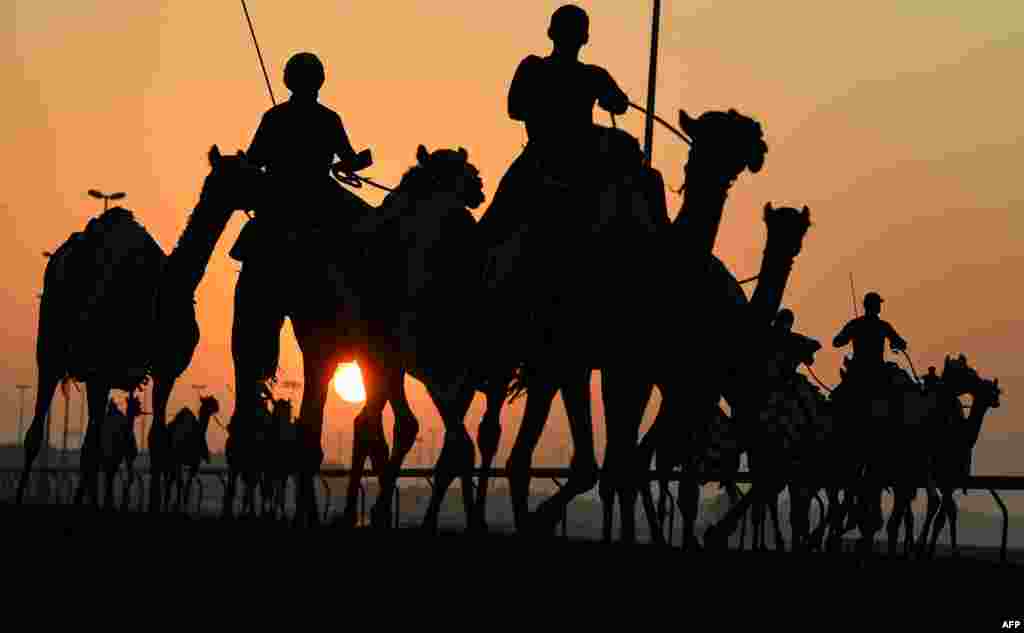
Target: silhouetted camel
(119, 446)
(126, 284)
(952, 462)
(391, 309)
(188, 448)
(734, 143)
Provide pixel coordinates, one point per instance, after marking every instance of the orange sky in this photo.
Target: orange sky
(898, 123)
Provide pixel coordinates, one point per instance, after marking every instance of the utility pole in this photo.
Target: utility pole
(21, 414)
(651, 81)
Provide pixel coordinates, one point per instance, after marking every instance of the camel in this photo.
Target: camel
(187, 447)
(389, 307)
(118, 446)
(836, 445)
(953, 458)
(653, 245)
(710, 448)
(94, 284)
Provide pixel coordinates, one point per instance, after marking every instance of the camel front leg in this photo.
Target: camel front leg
(48, 378)
(392, 389)
(458, 454)
(520, 460)
(583, 469)
(159, 442)
(91, 454)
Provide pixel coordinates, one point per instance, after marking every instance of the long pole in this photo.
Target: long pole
(258, 53)
(21, 413)
(651, 81)
(853, 296)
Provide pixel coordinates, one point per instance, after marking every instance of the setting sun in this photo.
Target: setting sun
(348, 382)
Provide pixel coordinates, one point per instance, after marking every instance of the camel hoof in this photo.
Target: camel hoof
(478, 525)
(380, 518)
(714, 539)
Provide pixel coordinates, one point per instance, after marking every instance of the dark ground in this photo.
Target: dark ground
(514, 577)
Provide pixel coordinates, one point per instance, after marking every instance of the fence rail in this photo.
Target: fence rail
(990, 483)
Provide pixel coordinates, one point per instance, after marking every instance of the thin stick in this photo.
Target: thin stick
(853, 296)
(258, 53)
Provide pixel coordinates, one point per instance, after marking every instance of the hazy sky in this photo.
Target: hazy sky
(898, 123)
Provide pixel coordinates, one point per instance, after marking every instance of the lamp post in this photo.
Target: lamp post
(106, 198)
(21, 414)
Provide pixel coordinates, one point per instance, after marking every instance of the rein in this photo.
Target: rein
(356, 181)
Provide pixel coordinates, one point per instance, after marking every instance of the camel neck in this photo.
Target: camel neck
(700, 216)
(187, 263)
(974, 419)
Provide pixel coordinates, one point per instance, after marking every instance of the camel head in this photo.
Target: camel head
(208, 407)
(987, 393)
(724, 144)
(786, 228)
(959, 377)
(450, 170)
(233, 182)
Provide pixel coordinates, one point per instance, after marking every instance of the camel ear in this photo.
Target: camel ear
(463, 154)
(214, 156)
(685, 121)
(422, 155)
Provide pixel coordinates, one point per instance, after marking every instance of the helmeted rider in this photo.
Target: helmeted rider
(303, 207)
(792, 348)
(868, 333)
(554, 97)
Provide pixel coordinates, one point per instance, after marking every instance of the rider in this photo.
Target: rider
(296, 142)
(791, 347)
(868, 333)
(554, 97)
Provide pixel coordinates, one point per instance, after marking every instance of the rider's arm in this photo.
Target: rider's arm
(520, 96)
(609, 95)
(844, 335)
(896, 342)
(343, 147)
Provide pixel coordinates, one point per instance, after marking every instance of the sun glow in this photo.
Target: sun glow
(348, 382)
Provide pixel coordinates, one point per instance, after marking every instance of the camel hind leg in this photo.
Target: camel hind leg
(488, 438)
(625, 399)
